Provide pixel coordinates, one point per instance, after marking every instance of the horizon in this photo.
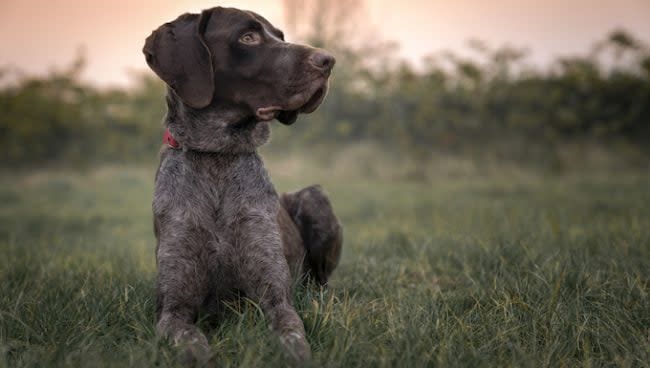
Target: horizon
(421, 28)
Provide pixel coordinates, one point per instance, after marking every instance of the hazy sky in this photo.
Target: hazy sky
(37, 34)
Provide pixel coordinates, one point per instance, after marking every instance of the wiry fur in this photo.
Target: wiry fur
(220, 225)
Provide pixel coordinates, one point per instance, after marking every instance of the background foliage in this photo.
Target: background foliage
(492, 104)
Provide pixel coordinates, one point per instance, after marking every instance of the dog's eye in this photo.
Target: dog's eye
(251, 38)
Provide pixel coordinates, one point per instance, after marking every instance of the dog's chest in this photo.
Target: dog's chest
(214, 191)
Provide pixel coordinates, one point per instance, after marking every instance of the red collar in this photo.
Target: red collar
(169, 140)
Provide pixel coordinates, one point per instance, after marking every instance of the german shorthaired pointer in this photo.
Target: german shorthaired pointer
(220, 225)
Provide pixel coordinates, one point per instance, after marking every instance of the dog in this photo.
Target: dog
(220, 226)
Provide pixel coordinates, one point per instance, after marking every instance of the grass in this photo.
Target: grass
(455, 269)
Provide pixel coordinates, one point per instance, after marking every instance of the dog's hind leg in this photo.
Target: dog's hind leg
(320, 229)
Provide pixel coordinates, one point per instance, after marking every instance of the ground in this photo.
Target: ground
(465, 268)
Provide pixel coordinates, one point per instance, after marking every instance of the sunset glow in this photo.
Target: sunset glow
(37, 35)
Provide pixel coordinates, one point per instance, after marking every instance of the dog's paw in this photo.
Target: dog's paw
(296, 346)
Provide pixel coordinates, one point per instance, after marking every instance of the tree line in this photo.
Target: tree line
(493, 101)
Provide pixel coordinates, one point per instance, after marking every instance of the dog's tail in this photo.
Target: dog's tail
(321, 231)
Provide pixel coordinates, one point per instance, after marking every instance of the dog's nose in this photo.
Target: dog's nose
(322, 60)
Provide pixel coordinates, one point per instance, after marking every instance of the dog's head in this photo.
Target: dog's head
(230, 57)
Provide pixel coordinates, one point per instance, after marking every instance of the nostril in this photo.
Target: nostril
(323, 60)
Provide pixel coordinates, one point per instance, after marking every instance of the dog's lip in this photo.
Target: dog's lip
(301, 104)
(314, 101)
(267, 113)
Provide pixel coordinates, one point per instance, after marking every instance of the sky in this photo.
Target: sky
(38, 35)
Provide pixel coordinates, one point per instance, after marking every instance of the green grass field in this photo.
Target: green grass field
(452, 268)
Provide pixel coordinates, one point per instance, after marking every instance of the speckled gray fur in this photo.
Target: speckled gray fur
(222, 230)
(216, 219)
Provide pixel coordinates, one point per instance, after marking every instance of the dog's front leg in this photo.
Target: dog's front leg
(182, 285)
(178, 327)
(267, 280)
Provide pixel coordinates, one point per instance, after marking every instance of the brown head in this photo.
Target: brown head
(226, 57)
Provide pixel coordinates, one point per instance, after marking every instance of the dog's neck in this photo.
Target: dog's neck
(217, 128)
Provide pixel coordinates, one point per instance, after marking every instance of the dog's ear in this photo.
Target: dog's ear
(177, 53)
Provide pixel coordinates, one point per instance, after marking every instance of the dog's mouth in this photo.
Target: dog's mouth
(305, 103)
(315, 100)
